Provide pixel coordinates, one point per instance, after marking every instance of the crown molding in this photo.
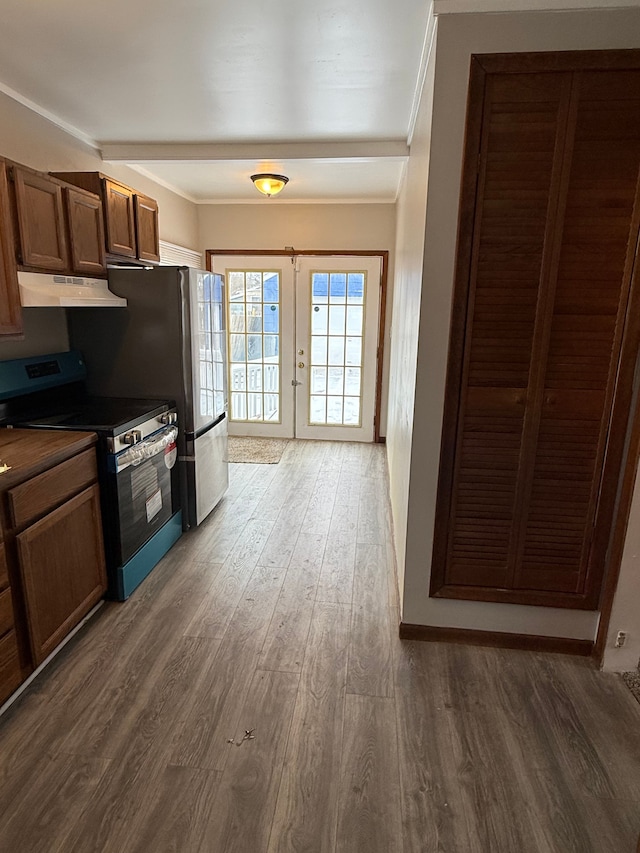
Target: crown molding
(49, 116)
(451, 7)
(427, 47)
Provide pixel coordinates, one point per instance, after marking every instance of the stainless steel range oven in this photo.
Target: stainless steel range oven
(137, 454)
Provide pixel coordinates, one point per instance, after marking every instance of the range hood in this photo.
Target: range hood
(40, 290)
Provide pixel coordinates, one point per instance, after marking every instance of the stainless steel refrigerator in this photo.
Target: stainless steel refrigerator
(169, 342)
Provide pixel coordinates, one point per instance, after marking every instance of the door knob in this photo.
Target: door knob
(301, 364)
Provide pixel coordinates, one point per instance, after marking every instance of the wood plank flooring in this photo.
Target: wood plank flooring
(279, 615)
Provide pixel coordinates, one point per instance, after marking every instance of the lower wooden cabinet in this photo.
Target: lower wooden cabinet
(52, 565)
(10, 672)
(62, 566)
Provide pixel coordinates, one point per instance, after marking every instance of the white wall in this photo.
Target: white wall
(272, 224)
(458, 37)
(34, 141)
(408, 293)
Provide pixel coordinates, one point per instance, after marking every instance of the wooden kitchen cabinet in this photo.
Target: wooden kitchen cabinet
(146, 216)
(86, 232)
(10, 309)
(54, 571)
(59, 228)
(131, 218)
(10, 674)
(42, 242)
(62, 566)
(120, 217)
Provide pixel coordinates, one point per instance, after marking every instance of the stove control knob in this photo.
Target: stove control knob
(132, 437)
(169, 418)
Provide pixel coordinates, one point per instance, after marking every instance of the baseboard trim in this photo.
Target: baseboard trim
(496, 639)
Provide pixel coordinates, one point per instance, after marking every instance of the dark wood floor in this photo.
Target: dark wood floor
(280, 616)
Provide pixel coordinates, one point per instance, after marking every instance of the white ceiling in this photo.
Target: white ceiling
(202, 93)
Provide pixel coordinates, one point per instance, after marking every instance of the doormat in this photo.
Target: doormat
(262, 450)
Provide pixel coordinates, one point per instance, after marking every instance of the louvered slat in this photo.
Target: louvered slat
(521, 115)
(590, 300)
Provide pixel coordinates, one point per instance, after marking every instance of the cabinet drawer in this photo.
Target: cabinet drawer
(4, 574)
(48, 490)
(10, 674)
(6, 612)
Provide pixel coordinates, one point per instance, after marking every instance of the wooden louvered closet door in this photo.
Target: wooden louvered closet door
(543, 284)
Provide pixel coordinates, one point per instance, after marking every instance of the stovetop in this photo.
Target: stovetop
(49, 391)
(107, 415)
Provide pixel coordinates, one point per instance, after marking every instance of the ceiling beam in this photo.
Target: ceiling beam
(212, 152)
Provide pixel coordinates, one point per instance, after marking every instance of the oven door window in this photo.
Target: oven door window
(144, 502)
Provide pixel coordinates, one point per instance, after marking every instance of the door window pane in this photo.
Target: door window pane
(318, 349)
(336, 320)
(236, 318)
(236, 286)
(336, 380)
(254, 343)
(271, 318)
(354, 351)
(318, 409)
(319, 317)
(354, 320)
(336, 350)
(355, 288)
(334, 410)
(318, 380)
(337, 287)
(335, 386)
(319, 287)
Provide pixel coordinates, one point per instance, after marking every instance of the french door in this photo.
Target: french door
(302, 337)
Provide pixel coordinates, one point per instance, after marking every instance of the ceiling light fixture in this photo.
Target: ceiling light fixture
(269, 184)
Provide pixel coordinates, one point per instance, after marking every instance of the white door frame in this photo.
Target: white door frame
(383, 254)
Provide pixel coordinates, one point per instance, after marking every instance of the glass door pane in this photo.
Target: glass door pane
(337, 331)
(254, 299)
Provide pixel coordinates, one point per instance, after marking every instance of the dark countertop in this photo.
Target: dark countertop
(29, 452)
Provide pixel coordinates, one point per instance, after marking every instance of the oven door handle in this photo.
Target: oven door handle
(147, 449)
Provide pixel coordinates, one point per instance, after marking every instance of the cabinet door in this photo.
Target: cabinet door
(119, 219)
(63, 570)
(40, 221)
(147, 228)
(10, 673)
(86, 232)
(10, 309)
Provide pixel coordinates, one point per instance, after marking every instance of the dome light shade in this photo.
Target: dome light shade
(269, 184)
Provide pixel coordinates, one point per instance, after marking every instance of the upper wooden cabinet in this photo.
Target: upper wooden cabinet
(120, 217)
(10, 310)
(544, 332)
(131, 219)
(59, 228)
(42, 242)
(86, 231)
(146, 211)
